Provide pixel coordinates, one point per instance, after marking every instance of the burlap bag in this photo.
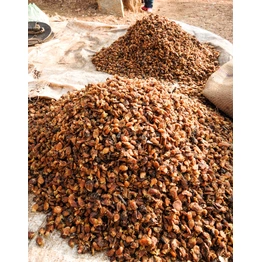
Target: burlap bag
(219, 88)
(132, 5)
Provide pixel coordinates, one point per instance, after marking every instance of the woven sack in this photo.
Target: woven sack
(219, 88)
(132, 5)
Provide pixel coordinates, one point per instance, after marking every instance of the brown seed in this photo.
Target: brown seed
(40, 180)
(80, 202)
(34, 207)
(105, 150)
(66, 231)
(123, 168)
(57, 210)
(174, 244)
(58, 220)
(132, 204)
(110, 252)
(129, 239)
(119, 251)
(154, 192)
(31, 235)
(116, 217)
(182, 252)
(187, 193)
(126, 184)
(173, 253)
(41, 231)
(46, 206)
(192, 242)
(198, 229)
(196, 207)
(153, 182)
(191, 223)
(65, 213)
(173, 192)
(177, 205)
(40, 241)
(145, 241)
(142, 174)
(71, 243)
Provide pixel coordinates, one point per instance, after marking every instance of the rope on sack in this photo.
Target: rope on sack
(34, 41)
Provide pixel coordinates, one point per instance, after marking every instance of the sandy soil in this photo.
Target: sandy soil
(213, 15)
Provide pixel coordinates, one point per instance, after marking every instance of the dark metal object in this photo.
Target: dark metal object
(38, 32)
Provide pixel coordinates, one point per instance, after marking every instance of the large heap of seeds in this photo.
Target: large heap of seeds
(160, 48)
(128, 167)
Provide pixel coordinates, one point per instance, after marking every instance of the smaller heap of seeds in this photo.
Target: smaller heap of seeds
(160, 48)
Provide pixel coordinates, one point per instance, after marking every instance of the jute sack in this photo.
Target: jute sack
(132, 5)
(219, 88)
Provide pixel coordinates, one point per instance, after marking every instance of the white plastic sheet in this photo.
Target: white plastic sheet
(66, 59)
(222, 45)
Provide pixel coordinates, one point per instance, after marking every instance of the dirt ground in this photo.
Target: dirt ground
(213, 15)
